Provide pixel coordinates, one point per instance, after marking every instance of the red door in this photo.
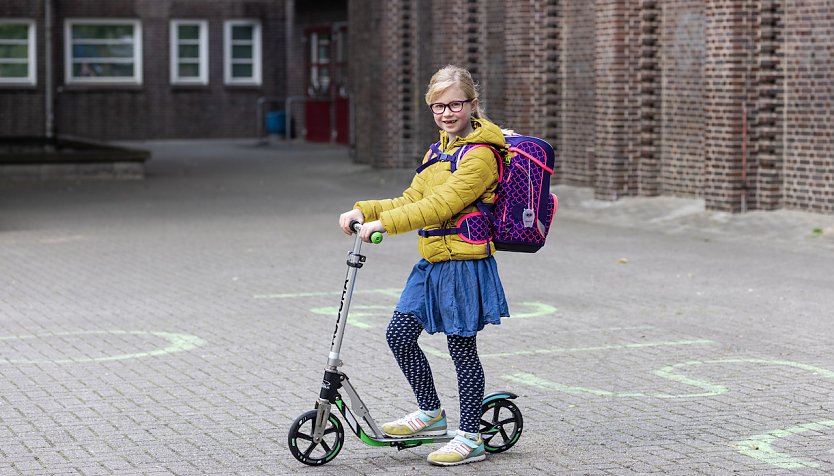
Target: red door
(327, 108)
(317, 112)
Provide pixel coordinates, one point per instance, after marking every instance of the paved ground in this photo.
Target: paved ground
(178, 325)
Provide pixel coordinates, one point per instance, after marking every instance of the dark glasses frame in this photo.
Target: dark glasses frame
(439, 108)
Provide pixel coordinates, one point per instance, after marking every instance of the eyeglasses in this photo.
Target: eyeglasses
(454, 106)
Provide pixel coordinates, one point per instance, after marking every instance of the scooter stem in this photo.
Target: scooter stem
(354, 262)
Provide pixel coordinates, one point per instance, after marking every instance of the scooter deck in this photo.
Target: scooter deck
(450, 434)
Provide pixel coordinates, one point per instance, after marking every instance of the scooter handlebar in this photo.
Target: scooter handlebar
(376, 237)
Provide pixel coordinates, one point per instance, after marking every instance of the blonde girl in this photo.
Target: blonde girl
(455, 288)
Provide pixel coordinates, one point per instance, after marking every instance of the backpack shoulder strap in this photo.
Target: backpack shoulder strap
(435, 157)
(470, 147)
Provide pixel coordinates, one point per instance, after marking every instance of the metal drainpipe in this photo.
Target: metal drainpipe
(48, 79)
(288, 109)
(745, 190)
(262, 134)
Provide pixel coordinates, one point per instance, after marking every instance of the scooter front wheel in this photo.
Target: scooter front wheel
(301, 443)
(501, 425)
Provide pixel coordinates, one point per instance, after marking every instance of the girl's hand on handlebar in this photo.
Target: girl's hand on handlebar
(370, 228)
(346, 218)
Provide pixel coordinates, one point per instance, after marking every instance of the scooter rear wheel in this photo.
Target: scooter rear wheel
(501, 425)
(301, 443)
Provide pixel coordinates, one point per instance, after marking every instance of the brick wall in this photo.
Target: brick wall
(577, 131)
(524, 67)
(396, 82)
(386, 79)
(649, 92)
(156, 109)
(366, 103)
(611, 93)
(636, 44)
(728, 100)
(682, 121)
(767, 123)
(809, 84)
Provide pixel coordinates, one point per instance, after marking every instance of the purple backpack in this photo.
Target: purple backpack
(524, 207)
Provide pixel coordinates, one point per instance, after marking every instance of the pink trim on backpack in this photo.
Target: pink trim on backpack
(555, 209)
(534, 160)
(471, 242)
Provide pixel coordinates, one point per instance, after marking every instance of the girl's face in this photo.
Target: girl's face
(454, 123)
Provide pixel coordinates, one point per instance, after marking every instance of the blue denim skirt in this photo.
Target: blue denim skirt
(455, 297)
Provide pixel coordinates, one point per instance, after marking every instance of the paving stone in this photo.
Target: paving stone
(180, 323)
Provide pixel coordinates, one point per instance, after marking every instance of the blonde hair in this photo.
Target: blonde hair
(451, 75)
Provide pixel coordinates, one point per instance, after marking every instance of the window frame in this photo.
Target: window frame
(203, 59)
(31, 78)
(135, 80)
(257, 47)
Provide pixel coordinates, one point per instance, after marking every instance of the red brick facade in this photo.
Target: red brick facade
(681, 123)
(727, 100)
(807, 157)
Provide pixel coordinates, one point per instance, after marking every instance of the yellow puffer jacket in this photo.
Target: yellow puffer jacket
(438, 198)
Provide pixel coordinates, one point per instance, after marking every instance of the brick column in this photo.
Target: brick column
(766, 171)
(616, 109)
(384, 81)
(726, 73)
(387, 90)
(366, 76)
(523, 67)
(577, 128)
(808, 116)
(531, 67)
(648, 171)
(552, 76)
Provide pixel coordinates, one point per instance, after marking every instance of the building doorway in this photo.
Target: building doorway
(327, 107)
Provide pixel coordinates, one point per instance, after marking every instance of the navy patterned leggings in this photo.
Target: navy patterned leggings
(402, 335)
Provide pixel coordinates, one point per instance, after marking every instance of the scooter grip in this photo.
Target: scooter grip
(376, 237)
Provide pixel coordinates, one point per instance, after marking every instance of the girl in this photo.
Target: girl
(455, 288)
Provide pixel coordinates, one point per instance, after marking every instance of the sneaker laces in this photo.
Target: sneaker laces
(411, 417)
(458, 447)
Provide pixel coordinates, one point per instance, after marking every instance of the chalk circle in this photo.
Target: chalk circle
(670, 373)
(760, 447)
(176, 343)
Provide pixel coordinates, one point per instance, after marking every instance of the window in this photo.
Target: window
(17, 52)
(103, 51)
(320, 48)
(242, 52)
(189, 52)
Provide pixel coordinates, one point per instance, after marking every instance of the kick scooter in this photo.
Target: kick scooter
(317, 436)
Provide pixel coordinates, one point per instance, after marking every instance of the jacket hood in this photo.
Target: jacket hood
(483, 132)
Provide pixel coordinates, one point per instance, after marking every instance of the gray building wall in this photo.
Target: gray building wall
(156, 108)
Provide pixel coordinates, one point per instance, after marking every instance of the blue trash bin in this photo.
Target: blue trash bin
(276, 122)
